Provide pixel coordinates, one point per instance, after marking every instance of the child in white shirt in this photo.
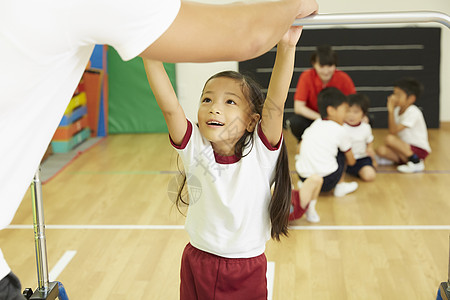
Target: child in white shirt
(407, 142)
(231, 158)
(326, 147)
(361, 137)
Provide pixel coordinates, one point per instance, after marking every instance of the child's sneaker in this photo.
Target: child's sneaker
(311, 213)
(411, 167)
(345, 188)
(381, 161)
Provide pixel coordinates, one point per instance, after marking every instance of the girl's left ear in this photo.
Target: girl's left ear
(254, 119)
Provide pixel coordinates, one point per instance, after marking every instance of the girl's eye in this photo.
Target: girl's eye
(229, 101)
(206, 100)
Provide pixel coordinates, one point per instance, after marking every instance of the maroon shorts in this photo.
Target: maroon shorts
(205, 276)
(421, 153)
(298, 211)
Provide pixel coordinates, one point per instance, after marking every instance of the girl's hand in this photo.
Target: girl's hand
(291, 37)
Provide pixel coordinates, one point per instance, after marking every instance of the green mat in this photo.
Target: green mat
(132, 105)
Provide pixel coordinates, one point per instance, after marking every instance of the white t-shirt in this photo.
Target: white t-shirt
(360, 136)
(44, 49)
(415, 132)
(319, 148)
(228, 214)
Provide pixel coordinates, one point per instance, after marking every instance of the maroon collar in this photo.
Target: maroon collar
(226, 160)
(356, 125)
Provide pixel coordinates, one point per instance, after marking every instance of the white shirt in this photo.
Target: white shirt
(360, 136)
(319, 148)
(44, 49)
(415, 132)
(228, 214)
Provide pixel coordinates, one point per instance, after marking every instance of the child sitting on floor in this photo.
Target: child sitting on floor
(407, 142)
(361, 137)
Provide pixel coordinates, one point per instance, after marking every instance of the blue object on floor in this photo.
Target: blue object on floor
(438, 297)
(62, 292)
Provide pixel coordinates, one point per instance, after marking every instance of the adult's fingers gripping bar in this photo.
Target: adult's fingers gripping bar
(375, 18)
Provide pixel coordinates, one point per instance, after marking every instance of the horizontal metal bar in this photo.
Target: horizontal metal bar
(375, 18)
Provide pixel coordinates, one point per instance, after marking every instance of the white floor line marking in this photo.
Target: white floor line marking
(270, 278)
(372, 227)
(61, 264)
(180, 227)
(105, 227)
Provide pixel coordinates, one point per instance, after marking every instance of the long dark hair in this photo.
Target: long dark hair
(281, 198)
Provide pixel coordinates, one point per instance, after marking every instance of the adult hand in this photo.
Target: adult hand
(306, 8)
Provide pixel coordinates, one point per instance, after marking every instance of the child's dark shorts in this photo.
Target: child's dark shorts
(330, 181)
(360, 163)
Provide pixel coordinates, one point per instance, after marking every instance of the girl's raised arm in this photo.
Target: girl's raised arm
(167, 100)
(280, 81)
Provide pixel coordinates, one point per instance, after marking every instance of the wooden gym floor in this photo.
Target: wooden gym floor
(388, 240)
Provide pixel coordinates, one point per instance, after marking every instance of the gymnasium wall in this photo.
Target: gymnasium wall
(374, 58)
(189, 86)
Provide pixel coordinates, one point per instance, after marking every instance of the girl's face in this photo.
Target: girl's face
(224, 114)
(354, 115)
(325, 72)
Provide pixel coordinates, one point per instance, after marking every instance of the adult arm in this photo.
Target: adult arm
(280, 80)
(167, 100)
(239, 31)
(301, 109)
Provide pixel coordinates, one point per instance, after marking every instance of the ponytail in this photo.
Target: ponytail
(281, 198)
(181, 200)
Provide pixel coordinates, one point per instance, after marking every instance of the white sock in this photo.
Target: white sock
(311, 214)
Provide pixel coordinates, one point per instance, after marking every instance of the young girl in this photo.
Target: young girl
(361, 136)
(231, 158)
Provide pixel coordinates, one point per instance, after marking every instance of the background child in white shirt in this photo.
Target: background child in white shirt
(407, 141)
(326, 147)
(361, 137)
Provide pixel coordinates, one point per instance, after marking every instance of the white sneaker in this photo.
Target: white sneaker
(311, 213)
(381, 161)
(345, 188)
(411, 167)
